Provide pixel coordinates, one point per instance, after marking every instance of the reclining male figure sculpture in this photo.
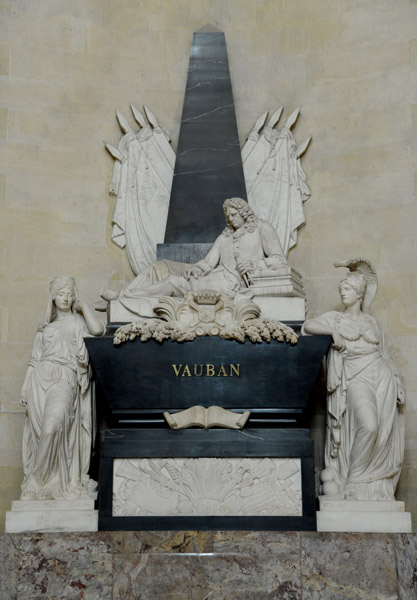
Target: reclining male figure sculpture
(247, 246)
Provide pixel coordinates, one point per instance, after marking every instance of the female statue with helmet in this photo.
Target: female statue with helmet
(365, 424)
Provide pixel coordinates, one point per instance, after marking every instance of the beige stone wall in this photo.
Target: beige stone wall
(64, 68)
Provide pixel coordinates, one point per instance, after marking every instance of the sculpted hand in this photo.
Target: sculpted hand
(195, 272)
(109, 295)
(400, 392)
(338, 341)
(79, 306)
(23, 400)
(244, 267)
(275, 262)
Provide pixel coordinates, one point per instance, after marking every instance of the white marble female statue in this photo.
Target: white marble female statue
(57, 395)
(365, 427)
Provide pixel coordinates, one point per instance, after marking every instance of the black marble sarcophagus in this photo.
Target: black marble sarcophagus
(138, 378)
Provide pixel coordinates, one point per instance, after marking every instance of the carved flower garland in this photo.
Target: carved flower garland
(257, 330)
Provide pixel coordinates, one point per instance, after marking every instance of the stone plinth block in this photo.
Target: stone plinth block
(284, 308)
(52, 516)
(281, 309)
(363, 516)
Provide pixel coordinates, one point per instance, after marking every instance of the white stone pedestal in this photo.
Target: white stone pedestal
(279, 295)
(363, 516)
(52, 515)
(281, 308)
(141, 308)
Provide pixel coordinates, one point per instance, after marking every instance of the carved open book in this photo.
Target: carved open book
(214, 416)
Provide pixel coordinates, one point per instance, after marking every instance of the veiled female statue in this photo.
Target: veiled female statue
(365, 428)
(57, 395)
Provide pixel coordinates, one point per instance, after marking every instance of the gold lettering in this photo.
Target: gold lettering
(196, 370)
(186, 371)
(177, 369)
(236, 369)
(210, 370)
(222, 372)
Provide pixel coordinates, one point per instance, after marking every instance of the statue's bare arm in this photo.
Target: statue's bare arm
(94, 325)
(315, 327)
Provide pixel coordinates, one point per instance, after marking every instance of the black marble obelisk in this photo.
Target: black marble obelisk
(208, 167)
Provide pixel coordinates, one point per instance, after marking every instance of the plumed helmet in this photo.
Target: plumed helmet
(362, 277)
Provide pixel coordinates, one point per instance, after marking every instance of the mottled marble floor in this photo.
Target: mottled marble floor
(208, 566)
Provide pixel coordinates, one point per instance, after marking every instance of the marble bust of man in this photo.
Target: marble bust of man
(247, 246)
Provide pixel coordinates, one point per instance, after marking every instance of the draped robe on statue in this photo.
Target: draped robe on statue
(363, 451)
(58, 430)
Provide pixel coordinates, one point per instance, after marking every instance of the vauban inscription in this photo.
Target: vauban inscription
(206, 370)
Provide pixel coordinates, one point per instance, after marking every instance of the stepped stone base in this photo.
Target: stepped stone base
(52, 516)
(363, 516)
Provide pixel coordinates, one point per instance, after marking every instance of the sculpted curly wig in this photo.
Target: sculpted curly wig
(243, 208)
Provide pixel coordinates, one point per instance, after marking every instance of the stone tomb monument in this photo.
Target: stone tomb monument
(206, 348)
(197, 340)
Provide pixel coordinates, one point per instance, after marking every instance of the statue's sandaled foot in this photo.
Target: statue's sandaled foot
(109, 295)
(28, 495)
(46, 493)
(30, 488)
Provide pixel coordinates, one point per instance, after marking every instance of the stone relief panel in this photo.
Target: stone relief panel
(207, 486)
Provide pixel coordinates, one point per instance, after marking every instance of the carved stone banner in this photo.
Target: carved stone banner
(213, 416)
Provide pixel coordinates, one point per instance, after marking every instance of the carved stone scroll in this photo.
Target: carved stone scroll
(213, 416)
